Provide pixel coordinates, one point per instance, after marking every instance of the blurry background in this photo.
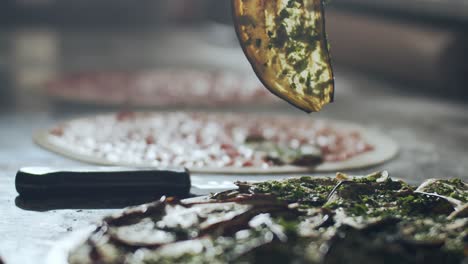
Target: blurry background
(421, 43)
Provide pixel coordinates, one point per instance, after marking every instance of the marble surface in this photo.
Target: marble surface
(432, 132)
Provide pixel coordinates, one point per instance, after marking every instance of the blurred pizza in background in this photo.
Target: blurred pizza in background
(160, 87)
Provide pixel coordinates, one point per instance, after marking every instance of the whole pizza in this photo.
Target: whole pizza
(207, 142)
(160, 87)
(372, 219)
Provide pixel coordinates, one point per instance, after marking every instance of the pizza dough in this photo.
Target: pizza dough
(215, 143)
(160, 87)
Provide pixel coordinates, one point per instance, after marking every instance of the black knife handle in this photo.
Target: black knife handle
(82, 182)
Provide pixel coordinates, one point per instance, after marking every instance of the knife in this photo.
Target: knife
(108, 181)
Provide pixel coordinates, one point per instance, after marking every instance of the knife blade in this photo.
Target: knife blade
(81, 182)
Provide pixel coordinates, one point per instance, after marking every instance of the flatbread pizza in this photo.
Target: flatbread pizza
(218, 143)
(371, 219)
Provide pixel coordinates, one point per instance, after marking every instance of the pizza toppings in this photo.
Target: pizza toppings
(285, 41)
(373, 219)
(209, 140)
(454, 188)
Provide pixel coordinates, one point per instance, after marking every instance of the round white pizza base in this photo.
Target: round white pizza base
(384, 149)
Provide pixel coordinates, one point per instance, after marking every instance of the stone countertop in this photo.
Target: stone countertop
(432, 133)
